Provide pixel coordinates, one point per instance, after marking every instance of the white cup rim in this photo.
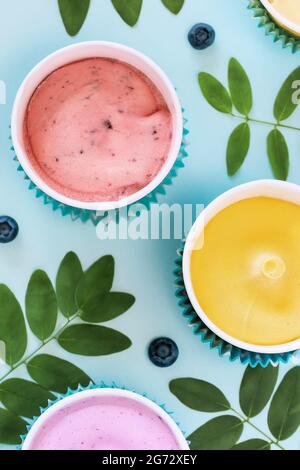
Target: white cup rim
(281, 19)
(19, 109)
(105, 392)
(268, 188)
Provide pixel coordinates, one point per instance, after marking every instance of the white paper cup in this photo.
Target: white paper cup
(104, 392)
(75, 53)
(262, 188)
(280, 19)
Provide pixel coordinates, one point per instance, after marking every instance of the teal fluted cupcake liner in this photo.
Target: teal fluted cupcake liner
(92, 386)
(287, 39)
(215, 342)
(93, 216)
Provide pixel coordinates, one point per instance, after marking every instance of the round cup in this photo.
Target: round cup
(261, 188)
(75, 53)
(104, 392)
(280, 19)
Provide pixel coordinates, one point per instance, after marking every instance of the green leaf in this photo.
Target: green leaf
(284, 412)
(215, 93)
(11, 428)
(95, 283)
(23, 397)
(73, 13)
(41, 305)
(92, 340)
(199, 395)
(109, 307)
(256, 389)
(278, 154)
(284, 105)
(237, 148)
(240, 87)
(56, 374)
(173, 5)
(218, 434)
(67, 280)
(252, 444)
(129, 10)
(12, 326)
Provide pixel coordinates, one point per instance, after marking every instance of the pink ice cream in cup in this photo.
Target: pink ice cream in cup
(97, 125)
(105, 419)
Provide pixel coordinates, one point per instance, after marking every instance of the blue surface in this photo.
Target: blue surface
(29, 31)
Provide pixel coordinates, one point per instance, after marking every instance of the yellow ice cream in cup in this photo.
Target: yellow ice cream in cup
(243, 277)
(286, 13)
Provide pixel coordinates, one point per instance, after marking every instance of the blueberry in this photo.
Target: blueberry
(9, 229)
(201, 36)
(163, 352)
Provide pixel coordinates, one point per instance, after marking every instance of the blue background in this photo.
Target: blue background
(28, 32)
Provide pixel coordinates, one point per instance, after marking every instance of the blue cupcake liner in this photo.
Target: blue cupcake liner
(86, 215)
(215, 342)
(92, 386)
(287, 39)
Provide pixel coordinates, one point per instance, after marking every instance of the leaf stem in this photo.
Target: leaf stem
(268, 123)
(43, 343)
(247, 420)
(8, 373)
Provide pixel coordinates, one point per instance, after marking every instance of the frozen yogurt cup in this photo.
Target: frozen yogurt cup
(105, 419)
(97, 125)
(286, 13)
